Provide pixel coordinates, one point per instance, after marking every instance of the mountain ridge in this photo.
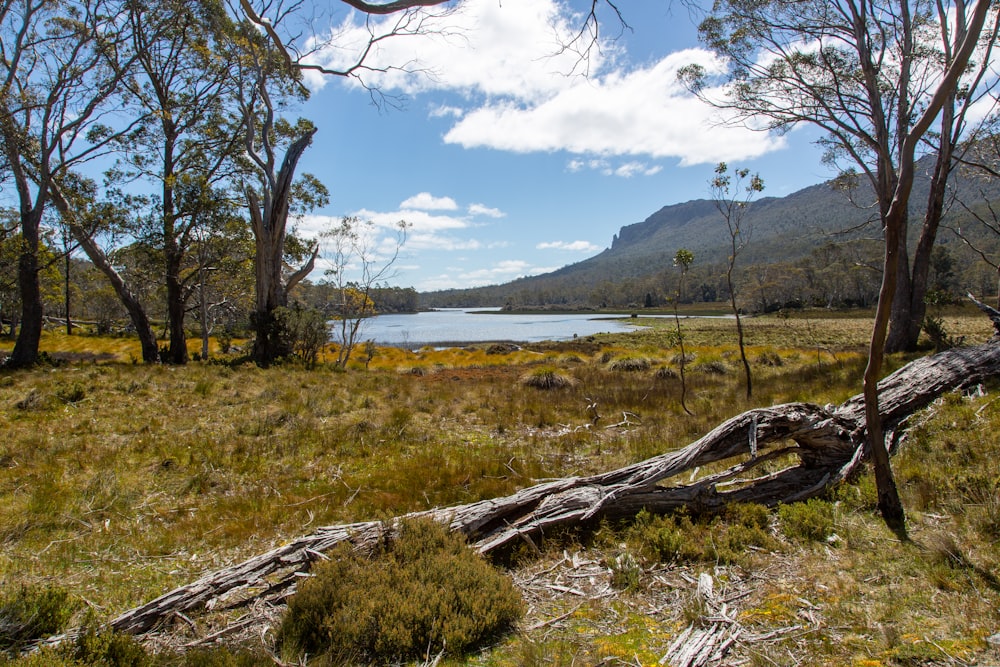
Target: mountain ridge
(782, 229)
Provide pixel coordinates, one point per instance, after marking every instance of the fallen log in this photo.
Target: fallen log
(825, 443)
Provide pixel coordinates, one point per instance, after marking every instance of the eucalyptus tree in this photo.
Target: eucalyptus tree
(683, 258)
(273, 59)
(178, 87)
(265, 85)
(732, 194)
(60, 63)
(218, 269)
(875, 76)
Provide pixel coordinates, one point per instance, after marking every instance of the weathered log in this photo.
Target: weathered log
(829, 443)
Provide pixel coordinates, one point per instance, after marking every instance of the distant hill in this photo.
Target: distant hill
(784, 230)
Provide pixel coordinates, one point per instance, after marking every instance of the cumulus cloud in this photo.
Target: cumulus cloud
(425, 201)
(483, 210)
(443, 111)
(573, 246)
(516, 91)
(481, 46)
(630, 169)
(642, 112)
(432, 223)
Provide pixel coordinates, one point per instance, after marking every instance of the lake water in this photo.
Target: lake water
(442, 328)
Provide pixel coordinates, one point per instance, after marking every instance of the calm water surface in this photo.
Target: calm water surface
(456, 326)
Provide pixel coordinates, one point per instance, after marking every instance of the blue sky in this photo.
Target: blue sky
(504, 159)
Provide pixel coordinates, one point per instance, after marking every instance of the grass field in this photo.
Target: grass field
(120, 481)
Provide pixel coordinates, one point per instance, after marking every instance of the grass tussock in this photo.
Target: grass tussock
(630, 364)
(547, 378)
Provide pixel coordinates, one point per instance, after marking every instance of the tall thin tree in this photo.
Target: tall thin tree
(732, 194)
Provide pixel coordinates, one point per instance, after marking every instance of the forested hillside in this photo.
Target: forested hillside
(819, 246)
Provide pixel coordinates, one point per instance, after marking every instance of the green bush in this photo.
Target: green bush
(107, 649)
(29, 614)
(808, 521)
(304, 331)
(423, 593)
(224, 657)
(723, 539)
(626, 571)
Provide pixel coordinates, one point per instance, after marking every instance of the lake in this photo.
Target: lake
(446, 327)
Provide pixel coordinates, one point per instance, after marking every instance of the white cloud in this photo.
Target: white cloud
(643, 112)
(425, 201)
(482, 209)
(573, 246)
(482, 46)
(424, 230)
(501, 272)
(435, 241)
(443, 111)
(630, 169)
(416, 221)
(597, 164)
(519, 90)
(624, 170)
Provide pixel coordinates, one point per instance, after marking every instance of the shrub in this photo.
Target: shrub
(546, 378)
(29, 614)
(423, 593)
(107, 649)
(33, 401)
(225, 340)
(934, 329)
(808, 521)
(687, 358)
(224, 657)
(723, 539)
(70, 393)
(625, 571)
(304, 331)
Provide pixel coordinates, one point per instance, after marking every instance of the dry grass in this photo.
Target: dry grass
(119, 481)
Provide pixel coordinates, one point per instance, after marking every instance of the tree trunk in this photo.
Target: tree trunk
(29, 336)
(830, 442)
(906, 324)
(178, 352)
(269, 219)
(136, 312)
(144, 330)
(901, 313)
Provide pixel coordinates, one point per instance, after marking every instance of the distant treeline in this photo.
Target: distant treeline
(836, 275)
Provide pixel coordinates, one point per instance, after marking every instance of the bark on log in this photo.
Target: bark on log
(829, 443)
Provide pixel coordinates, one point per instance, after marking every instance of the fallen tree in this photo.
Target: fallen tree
(820, 446)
